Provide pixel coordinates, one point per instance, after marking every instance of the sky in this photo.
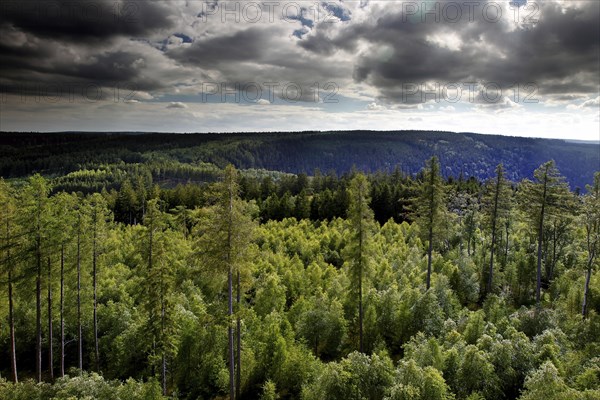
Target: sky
(519, 68)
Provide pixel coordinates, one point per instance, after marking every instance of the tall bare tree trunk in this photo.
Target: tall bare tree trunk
(50, 328)
(62, 310)
(238, 378)
(431, 212)
(506, 246)
(164, 349)
(94, 283)
(164, 374)
(429, 252)
(359, 216)
(469, 246)
(38, 310)
(494, 219)
(11, 318)
(11, 322)
(555, 239)
(230, 336)
(586, 289)
(360, 310)
(360, 272)
(230, 298)
(538, 288)
(79, 330)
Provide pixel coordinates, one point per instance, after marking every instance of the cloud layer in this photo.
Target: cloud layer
(383, 58)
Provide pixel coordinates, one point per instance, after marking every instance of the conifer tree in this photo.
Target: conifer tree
(98, 217)
(80, 226)
(591, 223)
(496, 208)
(7, 244)
(34, 219)
(429, 207)
(224, 245)
(540, 198)
(63, 206)
(360, 218)
(160, 269)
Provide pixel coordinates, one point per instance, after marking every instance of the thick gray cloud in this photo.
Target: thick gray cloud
(249, 45)
(170, 47)
(559, 53)
(86, 20)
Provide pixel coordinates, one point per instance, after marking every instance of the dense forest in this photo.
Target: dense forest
(157, 277)
(466, 154)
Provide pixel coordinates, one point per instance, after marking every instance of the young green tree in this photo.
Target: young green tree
(540, 198)
(7, 224)
(418, 383)
(357, 376)
(302, 205)
(496, 208)
(184, 219)
(429, 207)
(546, 383)
(360, 218)
(591, 222)
(126, 203)
(225, 244)
(322, 325)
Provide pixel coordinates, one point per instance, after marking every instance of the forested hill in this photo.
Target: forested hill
(467, 153)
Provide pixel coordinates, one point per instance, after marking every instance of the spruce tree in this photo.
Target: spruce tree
(161, 262)
(591, 223)
(496, 205)
(429, 208)
(540, 198)
(7, 251)
(34, 220)
(224, 246)
(360, 218)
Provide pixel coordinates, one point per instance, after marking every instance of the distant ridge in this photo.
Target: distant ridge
(582, 141)
(465, 153)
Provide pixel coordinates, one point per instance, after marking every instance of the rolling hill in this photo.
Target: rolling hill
(467, 153)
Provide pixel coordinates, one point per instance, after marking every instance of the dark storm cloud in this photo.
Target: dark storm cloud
(149, 45)
(560, 52)
(50, 43)
(85, 20)
(564, 43)
(40, 63)
(262, 54)
(246, 45)
(18, 57)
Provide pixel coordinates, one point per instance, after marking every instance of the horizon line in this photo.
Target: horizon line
(135, 132)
